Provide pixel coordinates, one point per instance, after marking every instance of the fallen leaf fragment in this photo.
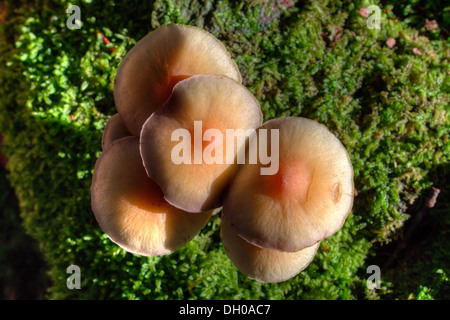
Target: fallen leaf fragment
(390, 42)
(431, 25)
(364, 12)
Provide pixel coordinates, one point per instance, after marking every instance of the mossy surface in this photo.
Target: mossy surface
(315, 59)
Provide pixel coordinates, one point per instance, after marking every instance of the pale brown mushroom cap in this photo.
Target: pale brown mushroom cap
(130, 208)
(217, 103)
(306, 201)
(149, 71)
(114, 130)
(263, 265)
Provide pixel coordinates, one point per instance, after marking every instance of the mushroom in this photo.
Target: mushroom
(263, 265)
(114, 130)
(130, 208)
(189, 146)
(149, 71)
(305, 201)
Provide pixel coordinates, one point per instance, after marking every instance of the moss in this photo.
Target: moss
(299, 58)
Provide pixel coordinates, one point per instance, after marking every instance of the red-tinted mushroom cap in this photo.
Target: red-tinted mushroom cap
(130, 207)
(184, 143)
(157, 62)
(114, 130)
(263, 265)
(305, 201)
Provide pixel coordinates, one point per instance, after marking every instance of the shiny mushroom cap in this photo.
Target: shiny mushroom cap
(263, 265)
(186, 145)
(305, 201)
(130, 207)
(151, 69)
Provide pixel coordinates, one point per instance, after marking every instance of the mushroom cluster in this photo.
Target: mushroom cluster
(180, 150)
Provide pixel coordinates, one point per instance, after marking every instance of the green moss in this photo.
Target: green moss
(389, 106)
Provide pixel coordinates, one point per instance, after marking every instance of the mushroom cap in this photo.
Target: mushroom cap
(306, 201)
(130, 208)
(114, 130)
(263, 265)
(211, 102)
(149, 71)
